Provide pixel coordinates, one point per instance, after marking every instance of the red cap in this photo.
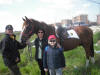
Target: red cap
(51, 37)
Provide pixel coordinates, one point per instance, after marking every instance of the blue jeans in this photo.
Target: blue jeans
(55, 71)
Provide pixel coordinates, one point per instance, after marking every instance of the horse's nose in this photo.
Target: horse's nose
(20, 37)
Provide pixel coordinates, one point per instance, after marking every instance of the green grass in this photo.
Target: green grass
(75, 62)
(96, 37)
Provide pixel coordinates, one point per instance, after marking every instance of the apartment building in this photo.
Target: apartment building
(66, 22)
(57, 24)
(81, 18)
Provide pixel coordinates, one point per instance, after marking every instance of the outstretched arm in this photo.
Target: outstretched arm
(20, 45)
(32, 43)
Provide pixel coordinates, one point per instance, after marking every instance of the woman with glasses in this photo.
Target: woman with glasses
(53, 59)
(40, 44)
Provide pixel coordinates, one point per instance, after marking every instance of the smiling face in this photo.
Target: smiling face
(9, 31)
(52, 42)
(40, 34)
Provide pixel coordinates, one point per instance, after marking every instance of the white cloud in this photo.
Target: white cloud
(6, 1)
(52, 11)
(58, 1)
(9, 1)
(56, 10)
(8, 18)
(48, 15)
(42, 14)
(86, 5)
(81, 11)
(62, 9)
(66, 4)
(19, 0)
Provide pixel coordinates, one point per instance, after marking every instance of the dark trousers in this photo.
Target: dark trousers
(14, 69)
(40, 63)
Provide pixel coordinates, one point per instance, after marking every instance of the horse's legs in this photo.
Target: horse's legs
(92, 52)
(89, 55)
(87, 50)
(92, 57)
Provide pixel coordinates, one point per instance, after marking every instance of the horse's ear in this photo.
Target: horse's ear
(26, 18)
(23, 19)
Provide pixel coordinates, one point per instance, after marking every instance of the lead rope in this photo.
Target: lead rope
(30, 53)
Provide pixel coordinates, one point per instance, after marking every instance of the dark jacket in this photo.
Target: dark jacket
(10, 51)
(53, 58)
(44, 44)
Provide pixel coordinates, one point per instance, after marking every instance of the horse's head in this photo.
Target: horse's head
(31, 26)
(28, 29)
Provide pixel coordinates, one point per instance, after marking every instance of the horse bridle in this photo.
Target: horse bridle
(29, 33)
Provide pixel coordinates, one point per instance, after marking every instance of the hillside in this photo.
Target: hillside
(75, 61)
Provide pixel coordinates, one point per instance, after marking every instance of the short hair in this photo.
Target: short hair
(41, 29)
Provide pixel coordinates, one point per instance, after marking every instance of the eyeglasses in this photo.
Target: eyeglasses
(52, 40)
(40, 32)
(9, 29)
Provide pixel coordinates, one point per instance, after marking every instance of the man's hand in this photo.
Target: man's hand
(45, 69)
(28, 42)
(58, 45)
(17, 59)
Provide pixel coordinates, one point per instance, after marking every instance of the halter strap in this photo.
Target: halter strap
(30, 32)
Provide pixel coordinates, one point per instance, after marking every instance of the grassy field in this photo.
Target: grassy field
(75, 62)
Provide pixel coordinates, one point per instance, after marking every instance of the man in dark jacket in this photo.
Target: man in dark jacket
(10, 53)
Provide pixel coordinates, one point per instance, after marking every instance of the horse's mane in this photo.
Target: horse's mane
(49, 29)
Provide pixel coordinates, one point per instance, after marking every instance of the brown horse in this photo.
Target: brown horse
(31, 26)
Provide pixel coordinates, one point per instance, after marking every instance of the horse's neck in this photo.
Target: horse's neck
(49, 30)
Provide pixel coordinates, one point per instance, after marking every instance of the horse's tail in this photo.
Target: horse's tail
(92, 48)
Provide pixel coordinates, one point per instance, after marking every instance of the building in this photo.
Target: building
(66, 22)
(98, 19)
(92, 23)
(57, 24)
(81, 18)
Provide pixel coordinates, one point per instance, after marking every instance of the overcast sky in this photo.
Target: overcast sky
(49, 11)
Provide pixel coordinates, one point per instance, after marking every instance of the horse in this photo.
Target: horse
(31, 26)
